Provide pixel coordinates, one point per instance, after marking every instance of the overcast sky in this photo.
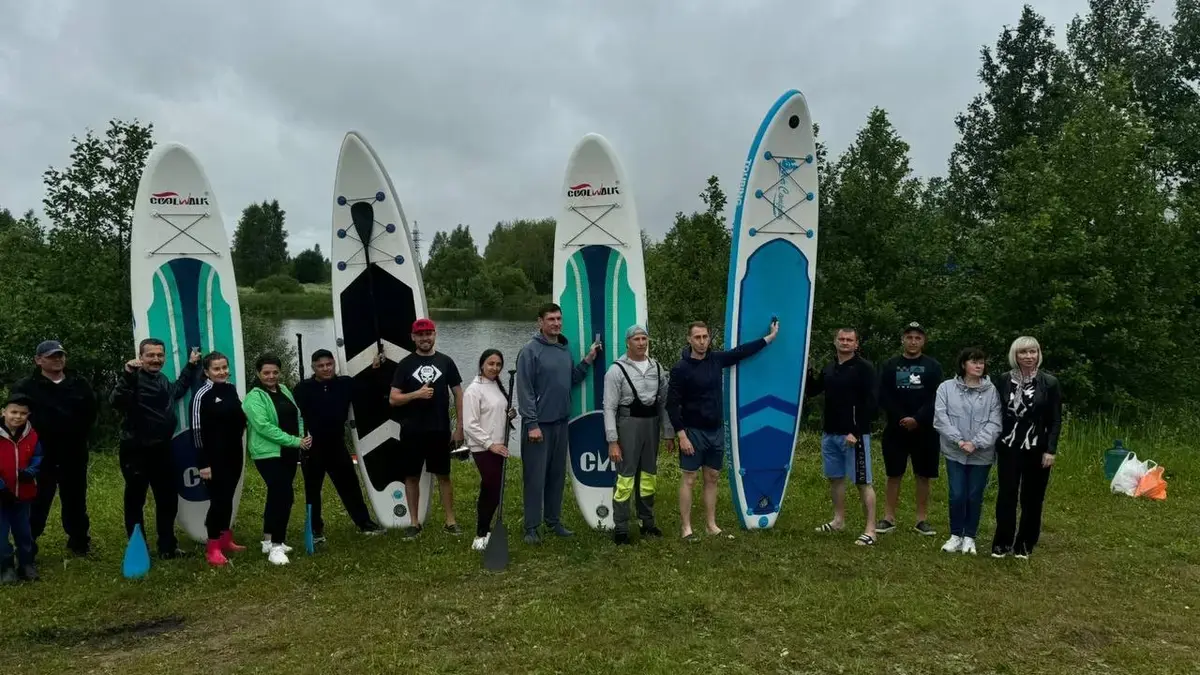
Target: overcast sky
(474, 106)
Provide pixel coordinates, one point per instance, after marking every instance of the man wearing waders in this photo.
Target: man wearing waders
(633, 428)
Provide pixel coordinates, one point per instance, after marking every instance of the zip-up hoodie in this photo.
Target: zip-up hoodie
(20, 460)
(218, 422)
(965, 413)
(325, 405)
(64, 413)
(545, 374)
(485, 414)
(694, 399)
(148, 402)
(851, 392)
(264, 438)
(651, 390)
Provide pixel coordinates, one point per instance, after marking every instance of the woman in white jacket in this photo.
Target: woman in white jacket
(486, 412)
(966, 415)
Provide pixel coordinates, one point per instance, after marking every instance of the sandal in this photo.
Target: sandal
(865, 540)
(828, 527)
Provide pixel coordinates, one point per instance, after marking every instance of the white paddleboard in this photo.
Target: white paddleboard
(185, 294)
(772, 274)
(600, 283)
(377, 294)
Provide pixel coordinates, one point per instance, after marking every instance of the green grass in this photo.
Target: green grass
(1111, 589)
(314, 303)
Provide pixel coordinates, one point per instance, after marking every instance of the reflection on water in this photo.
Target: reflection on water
(460, 337)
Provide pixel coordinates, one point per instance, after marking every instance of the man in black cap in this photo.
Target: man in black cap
(907, 389)
(62, 408)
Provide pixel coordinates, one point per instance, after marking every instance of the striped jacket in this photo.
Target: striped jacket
(218, 423)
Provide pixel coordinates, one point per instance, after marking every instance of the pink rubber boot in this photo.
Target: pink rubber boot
(213, 553)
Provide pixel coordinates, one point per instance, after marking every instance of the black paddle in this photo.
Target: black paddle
(363, 215)
(300, 354)
(495, 556)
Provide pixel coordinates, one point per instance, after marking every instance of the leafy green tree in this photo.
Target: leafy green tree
(453, 264)
(310, 266)
(260, 243)
(527, 245)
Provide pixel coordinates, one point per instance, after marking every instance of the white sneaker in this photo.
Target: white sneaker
(267, 544)
(479, 544)
(968, 546)
(953, 545)
(278, 556)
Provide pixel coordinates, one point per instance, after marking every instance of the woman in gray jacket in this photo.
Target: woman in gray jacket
(967, 418)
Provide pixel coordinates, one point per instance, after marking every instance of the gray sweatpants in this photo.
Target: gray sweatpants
(637, 472)
(544, 473)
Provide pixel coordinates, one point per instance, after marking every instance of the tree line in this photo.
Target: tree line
(1069, 210)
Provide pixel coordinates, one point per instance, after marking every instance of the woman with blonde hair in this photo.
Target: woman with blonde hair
(1031, 403)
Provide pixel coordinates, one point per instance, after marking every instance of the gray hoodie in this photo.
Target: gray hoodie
(545, 374)
(963, 413)
(617, 393)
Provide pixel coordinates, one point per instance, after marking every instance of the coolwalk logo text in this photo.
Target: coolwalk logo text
(170, 198)
(586, 190)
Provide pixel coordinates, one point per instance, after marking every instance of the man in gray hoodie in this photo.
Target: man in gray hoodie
(545, 374)
(635, 417)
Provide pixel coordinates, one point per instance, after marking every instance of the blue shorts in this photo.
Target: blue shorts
(846, 461)
(710, 450)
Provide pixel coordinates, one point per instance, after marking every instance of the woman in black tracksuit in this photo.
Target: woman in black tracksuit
(1031, 407)
(218, 423)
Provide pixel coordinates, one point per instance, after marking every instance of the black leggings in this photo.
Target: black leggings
(279, 473)
(491, 475)
(221, 489)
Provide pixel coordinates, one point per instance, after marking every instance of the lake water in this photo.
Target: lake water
(462, 338)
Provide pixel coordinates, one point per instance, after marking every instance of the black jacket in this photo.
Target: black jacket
(694, 393)
(1043, 419)
(851, 394)
(148, 402)
(63, 414)
(218, 423)
(325, 406)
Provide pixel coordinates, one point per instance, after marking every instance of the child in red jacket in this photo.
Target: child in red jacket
(20, 457)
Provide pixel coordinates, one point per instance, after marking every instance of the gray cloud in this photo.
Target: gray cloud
(474, 106)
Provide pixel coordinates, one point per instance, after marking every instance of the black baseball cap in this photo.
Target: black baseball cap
(914, 326)
(48, 347)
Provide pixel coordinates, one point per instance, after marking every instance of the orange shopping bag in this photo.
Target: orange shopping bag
(1152, 485)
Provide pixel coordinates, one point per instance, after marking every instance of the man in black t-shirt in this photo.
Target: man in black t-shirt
(421, 390)
(907, 389)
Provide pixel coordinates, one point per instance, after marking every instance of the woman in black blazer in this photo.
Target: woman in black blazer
(1031, 400)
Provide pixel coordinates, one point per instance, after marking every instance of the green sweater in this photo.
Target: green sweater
(264, 438)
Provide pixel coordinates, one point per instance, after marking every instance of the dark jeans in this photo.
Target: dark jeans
(329, 456)
(491, 476)
(14, 518)
(279, 473)
(151, 469)
(967, 483)
(66, 474)
(221, 489)
(1023, 480)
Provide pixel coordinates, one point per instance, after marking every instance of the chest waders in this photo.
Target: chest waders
(638, 430)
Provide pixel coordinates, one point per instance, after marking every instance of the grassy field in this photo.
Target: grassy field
(1113, 588)
(314, 303)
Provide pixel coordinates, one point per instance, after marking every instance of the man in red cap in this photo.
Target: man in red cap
(421, 389)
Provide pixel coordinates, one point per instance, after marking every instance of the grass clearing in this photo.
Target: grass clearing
(1112, 588)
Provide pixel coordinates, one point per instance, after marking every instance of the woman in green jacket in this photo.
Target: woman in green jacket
(275, 436)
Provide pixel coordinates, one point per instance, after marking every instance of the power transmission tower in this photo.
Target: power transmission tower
(416, 237)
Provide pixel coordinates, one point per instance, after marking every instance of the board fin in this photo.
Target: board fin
(137, 556)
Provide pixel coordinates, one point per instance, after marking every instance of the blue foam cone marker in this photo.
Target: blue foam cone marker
(137, 556)
(308, 533)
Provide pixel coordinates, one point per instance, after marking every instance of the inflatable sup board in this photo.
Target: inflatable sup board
(377, 294)
(600, 283)
(772, 272)
(184, 293)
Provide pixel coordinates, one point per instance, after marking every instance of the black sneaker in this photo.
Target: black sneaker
(532, 537)
(1020, 552)
(29, 573)
(999, 551)
(318, 538)
(412, 531)
(884, 526)
(454, 529)
(171, 555)
(370, 528)
(651, 531)
(924, 528)
(621, 538)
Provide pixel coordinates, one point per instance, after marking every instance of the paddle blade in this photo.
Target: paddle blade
(495, 556)
(137, 556)
(308, 534)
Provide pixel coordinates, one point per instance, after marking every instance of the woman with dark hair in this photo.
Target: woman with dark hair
(1032, 403)
(486, 413)
(274, 443)
(966, 415)
(217, 426)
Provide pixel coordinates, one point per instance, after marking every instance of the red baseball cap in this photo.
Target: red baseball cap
(423, 325)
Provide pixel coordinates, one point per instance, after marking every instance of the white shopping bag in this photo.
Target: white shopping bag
(1129, 474)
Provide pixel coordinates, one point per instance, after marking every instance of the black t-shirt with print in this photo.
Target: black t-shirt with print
(413, 371)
